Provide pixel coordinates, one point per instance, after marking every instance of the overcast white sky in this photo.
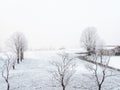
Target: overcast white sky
(57, 23)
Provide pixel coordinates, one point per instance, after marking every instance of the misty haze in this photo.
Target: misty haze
(59, 45)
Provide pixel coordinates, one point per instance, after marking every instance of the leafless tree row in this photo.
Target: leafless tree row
(8, 63)
(18, 44)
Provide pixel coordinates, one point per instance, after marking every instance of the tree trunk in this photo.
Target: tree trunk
(89, 53)
(99, 87)
(18, 60)
(13, 67)
(22, 55)
(8, 86)
(18, 57)
(63, 87)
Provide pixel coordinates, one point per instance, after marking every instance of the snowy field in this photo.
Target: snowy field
(115, 61)
(33, 74)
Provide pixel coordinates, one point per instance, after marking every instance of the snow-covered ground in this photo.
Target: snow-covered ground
(33, 73)
(115, 61)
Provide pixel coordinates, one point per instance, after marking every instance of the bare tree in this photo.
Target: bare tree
(23, 46)
(63, 70)
(8, 63)
(89, 39)
(100, 68)
(18, 45)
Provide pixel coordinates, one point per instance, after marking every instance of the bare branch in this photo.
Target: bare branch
(63, 70)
